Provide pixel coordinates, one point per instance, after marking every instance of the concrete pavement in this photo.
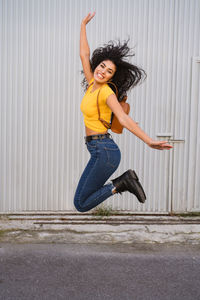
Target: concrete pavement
(99, 272)
(70, 227)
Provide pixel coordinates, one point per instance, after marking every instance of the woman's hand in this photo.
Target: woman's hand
(159, 145)
(88, 18)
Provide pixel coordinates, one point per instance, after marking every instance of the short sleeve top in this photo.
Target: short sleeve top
(89, 107)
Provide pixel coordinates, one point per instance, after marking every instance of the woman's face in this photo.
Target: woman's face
(104, 71)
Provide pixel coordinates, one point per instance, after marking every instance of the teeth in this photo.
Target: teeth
(100, 76)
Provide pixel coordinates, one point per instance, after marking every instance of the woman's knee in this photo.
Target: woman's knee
(79, 206)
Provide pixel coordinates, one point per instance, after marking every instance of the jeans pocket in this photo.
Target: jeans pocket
(113, 155)
(91, 144)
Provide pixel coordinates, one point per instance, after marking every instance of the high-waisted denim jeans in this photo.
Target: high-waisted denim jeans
(91, 189)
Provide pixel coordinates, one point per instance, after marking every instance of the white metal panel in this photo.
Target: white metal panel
(192, 201)
(187, 47)
(42, 151)
(149, 103)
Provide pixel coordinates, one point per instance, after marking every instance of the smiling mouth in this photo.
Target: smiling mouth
(100, 76)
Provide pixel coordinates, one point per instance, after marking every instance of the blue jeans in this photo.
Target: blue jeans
(104, 160)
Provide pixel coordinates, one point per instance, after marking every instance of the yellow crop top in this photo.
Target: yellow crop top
(89, 107)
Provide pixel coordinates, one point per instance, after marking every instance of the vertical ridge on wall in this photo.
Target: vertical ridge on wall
(1, 104)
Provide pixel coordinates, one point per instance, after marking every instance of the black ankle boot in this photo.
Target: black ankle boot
(129, 181)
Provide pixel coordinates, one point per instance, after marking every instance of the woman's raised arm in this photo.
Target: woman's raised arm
(85, 49)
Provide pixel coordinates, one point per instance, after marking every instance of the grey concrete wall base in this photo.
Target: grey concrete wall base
(76, 228)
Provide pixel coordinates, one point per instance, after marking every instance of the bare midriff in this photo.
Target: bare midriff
(89, 131)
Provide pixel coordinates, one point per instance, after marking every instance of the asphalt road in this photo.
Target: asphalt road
(102, 272)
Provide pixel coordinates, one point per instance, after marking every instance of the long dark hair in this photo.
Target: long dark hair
(127, 75)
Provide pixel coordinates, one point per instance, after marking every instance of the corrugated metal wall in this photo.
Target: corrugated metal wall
(42, 151)
(192, 197)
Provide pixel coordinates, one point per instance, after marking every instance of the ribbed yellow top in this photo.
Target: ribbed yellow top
(89, 107)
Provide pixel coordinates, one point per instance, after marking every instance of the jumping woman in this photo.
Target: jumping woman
(106, 73)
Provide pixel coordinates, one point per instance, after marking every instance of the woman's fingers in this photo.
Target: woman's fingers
(89, 17)
(161, 145)
(165, 145)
